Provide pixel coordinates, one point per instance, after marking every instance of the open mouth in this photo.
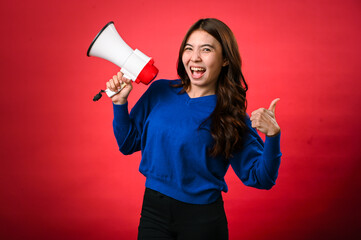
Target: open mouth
(197, 72)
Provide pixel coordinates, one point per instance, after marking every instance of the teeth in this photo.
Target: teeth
(197, 69)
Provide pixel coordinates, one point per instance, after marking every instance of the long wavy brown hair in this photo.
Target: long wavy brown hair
(228, 118)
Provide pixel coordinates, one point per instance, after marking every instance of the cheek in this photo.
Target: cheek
(185, 58)
(215, 67)
(220, 62)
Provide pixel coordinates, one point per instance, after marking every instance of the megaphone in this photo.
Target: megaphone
(134, 64)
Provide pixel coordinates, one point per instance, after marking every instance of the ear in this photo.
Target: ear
(225, 62)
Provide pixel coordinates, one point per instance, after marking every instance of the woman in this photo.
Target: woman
(190, 131)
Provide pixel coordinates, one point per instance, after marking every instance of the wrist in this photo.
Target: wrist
(274, 132)
(120, 101)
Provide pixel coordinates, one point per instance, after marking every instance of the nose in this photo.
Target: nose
(195, 56)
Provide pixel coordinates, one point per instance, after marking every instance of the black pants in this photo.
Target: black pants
(163, 218)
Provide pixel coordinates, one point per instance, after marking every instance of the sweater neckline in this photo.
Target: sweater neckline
(208, 98)
(201, 97)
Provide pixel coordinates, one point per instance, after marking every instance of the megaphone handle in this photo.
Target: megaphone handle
(111, 93)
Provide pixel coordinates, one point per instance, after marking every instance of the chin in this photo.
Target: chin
(197, 82)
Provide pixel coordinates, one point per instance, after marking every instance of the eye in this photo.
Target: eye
(206, 49)
(187, 49)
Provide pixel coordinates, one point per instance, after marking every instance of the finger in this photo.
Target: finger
(112, 85)
(127, 83)
(121, 79)
(258, 112)
(256, 115)
(126, 80)
(254, 124)
(120, 75)
(272, 107)
(255, 112)
(116, 81)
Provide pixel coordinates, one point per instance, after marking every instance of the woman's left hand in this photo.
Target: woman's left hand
(264, 120)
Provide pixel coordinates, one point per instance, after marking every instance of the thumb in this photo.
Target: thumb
(272, 107)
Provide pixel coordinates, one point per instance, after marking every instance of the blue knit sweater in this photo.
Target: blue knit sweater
(164, 125)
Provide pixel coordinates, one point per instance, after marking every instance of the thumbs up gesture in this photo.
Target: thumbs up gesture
(264, 120)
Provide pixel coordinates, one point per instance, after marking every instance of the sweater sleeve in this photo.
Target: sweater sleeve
(258, 162)
(125, 132)
(128, 128)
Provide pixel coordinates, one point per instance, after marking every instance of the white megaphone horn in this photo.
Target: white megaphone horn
(134, 64)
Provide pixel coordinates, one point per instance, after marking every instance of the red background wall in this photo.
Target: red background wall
(62, 176)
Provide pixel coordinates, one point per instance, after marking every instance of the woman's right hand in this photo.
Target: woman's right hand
(115, 83)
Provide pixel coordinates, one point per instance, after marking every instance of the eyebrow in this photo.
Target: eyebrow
(203, 45)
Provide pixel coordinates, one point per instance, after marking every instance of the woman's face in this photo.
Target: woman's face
(203, 60)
